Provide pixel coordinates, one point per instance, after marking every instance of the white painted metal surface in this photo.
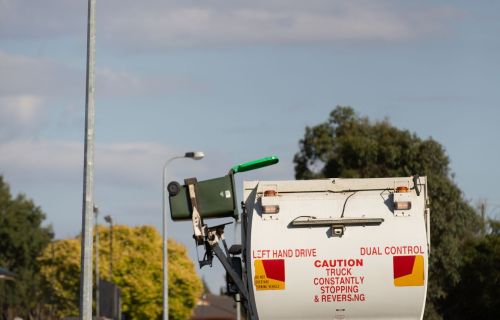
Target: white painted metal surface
(346, 270)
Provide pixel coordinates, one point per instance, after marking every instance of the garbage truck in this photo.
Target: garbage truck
(316, 249)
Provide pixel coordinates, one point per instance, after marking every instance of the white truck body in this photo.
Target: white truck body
(337, 248)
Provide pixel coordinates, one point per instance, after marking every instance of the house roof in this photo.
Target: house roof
(212, 307)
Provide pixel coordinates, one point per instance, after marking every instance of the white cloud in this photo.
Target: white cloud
(119, 83)
(127, 177)
(116, 164)
(38, 93)
(43, 162)
(21, 115)
(32, 92)
(23, 75)
(40, 19)
(271, 22)
(22, 109)
(162, 24)
(130, 163)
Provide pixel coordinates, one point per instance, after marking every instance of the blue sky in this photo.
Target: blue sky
(238, 80)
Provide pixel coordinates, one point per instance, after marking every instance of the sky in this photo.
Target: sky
(238, 80)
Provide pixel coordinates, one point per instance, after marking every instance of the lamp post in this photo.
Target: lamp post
(109, 220)
(192, 155)
(88, 172)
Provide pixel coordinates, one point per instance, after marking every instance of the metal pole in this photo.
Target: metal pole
(238, 307)
(482, 208)
(237, 296)
(54, 279)
(165, 244)
(97, 277)
(193, 155)
(109, 220)
(111, 250)
(88, 173)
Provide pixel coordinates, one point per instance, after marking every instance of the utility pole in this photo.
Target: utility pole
(88, 173)
(97, 300)
(109, 220)
(54, 278)
(482, 210)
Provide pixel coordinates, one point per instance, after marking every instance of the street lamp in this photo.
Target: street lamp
(109, 220)
(192, 155)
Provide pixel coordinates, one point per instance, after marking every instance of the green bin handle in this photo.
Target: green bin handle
(255, 164)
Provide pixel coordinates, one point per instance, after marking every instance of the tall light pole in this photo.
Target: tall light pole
(109, 220)
(88, 172)
(192, 155)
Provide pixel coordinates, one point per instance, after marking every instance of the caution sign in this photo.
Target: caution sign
(342, 280)
(269, 274)
(408, 270)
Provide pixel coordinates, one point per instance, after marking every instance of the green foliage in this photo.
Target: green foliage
(137, 270)
(351, 146)
(22, 239)
(477, 294)
(61, 273)
(495, 227)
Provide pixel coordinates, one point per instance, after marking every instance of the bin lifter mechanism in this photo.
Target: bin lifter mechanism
(210, 238)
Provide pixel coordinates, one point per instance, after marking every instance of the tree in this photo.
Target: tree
(477, 294)
(61, 274)
(350, 146)
(137, 270)
(22, 240)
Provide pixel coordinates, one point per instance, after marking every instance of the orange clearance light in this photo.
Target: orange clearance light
(402, 205)
(270, 209)
(402, 189)
(269, 201)
(270, 193)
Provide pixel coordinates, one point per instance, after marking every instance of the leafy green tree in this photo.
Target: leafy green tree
(350, 146)
(22, 240)
(495, 227)
(137, 270)
(477, 294)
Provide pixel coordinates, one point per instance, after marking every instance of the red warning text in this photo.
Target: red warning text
(340, 280)
(283, 253)
(333, 263)
(391, 250)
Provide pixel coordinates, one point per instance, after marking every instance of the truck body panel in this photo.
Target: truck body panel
(337, 248)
